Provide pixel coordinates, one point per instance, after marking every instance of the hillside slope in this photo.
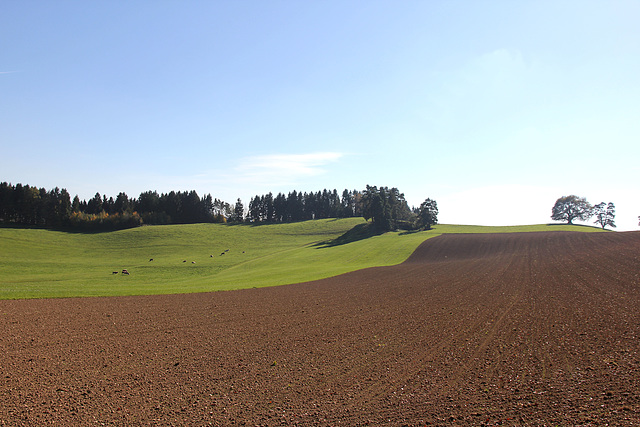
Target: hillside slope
(494, 329)
(37, 263)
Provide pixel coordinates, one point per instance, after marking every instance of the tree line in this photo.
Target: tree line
(26, 205)
(386, 207)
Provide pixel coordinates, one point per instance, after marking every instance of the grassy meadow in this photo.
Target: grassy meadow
(40, 263)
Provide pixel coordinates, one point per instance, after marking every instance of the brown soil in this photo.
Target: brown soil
(509, 329)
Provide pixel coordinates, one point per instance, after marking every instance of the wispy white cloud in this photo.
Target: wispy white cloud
(281, 169)
(251, 175)
(7, 72)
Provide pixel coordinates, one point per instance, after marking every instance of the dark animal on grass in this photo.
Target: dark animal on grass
(151, 260)
(114, 272)
(193, 262)
(125, 272)
(222, 253)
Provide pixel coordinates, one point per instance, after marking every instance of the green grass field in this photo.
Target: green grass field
(38, 263)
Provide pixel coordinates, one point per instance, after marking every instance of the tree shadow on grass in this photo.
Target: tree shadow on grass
(264, 223)
(359, 232)
(407, 232)
(68, 230)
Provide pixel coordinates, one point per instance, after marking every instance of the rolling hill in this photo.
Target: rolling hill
(41, 263)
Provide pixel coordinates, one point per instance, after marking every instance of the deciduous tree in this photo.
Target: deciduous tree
(428, 214)
(605, 214)
(570, 208)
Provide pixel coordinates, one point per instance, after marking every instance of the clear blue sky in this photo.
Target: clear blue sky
(492, 108)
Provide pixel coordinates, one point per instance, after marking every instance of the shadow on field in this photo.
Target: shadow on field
(68, 230)
(359, 232)
(404, 233)
(264, 223)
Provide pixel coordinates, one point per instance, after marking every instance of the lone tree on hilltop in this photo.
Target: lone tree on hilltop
(605, 213)
(428, 214)
(569, 208)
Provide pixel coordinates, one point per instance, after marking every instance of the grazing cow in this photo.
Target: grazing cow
(125, 272)
(115, 272)
(151, 260)
(226, 250)
(193, 262)
(222, 253)
(210, 256)
(184, 260)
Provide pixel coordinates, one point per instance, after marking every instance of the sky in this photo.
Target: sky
(494, 109)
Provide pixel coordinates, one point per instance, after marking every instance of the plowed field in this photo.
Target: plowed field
(486, 329)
